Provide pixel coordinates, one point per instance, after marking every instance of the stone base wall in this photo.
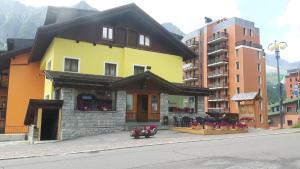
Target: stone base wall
(76, 123)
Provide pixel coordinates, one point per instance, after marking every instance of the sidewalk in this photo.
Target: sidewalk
(118, 140)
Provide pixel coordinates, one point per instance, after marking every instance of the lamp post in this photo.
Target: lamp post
(277, 46)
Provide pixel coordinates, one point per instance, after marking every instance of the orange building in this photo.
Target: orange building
(24, 81)
(292, 83)
(230, 61)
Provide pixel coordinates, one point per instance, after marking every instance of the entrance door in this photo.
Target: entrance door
(142, 108)
(49, 126)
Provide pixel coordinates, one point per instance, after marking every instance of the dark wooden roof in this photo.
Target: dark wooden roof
(45, 34)
(78, 80)
(6, 56)
(34, 104)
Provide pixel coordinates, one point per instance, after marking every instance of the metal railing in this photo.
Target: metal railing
(217, 72)
(218, 85)
(218, 110)
(220, 35)
(248, 43)
(218, 97)
(191, 43)
(216, 48)
(216, 60)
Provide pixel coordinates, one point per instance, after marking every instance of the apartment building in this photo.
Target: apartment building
(292, 83)
(230, 61)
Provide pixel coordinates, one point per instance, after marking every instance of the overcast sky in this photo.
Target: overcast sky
(277, 19)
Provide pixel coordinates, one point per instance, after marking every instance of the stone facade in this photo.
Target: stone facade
(76, 123)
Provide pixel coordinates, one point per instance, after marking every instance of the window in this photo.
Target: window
(259, 79)
(290, 79)
(237, 78)
(290, 122)
(181, 104)
(49, 65)
(237, 65)
(100, 100)
(258, 54)
(259, 67)
(107, 33)
(289, 109)
(144, 40)
(237, 90)
(261, 118)
(237, 52)
(260, 105)
(110, 69)
(129, 102)
(244, 30)
(291, 85)
(138, 69)
(154, 103)
(259, 92)
(250, 32)
(71, 65)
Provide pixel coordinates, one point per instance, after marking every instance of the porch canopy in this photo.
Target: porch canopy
(245, 96)
(146, 81)
(35, 104)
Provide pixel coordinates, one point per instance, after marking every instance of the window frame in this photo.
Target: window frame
(145, 67)
(71, 57)
(107, 33)
(145, 36)
(109, 62)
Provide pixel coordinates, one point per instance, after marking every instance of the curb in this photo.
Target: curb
(150, 145)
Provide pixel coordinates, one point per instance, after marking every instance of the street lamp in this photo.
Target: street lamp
(277, 46)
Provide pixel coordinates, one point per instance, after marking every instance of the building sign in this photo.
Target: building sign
(296, 90)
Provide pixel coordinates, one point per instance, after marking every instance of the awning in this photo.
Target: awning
(35, 104)
(142, 81)
(245, 96)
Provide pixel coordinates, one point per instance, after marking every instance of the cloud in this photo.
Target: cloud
(290, 20)
(188, 15)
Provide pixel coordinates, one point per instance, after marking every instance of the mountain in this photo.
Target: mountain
(84, 5)
(20, 21)
(283, 64)
(172, 28)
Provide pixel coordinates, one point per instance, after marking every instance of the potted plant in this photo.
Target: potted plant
(209, 125)
(224, 125)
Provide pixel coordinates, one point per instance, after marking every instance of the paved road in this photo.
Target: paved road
(262, 152)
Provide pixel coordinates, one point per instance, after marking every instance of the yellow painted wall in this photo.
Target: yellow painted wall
(92, 59)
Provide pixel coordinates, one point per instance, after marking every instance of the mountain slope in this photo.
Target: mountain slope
(172, 28)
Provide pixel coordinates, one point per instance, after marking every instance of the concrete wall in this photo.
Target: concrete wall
(75, 123)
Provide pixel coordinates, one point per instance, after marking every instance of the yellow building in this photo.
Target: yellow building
(106, 71)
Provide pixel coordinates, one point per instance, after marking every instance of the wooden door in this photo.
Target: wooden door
(142, 108)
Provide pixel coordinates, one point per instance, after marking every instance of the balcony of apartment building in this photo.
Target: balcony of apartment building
(249, 44)
(216, 73)
(192, 43)
(189, 66)
(217, 37)
(190, 78)
(218, 110)
(3, 80)
(218, 61)
(217, 48)
(218, 85)
(218, 98)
